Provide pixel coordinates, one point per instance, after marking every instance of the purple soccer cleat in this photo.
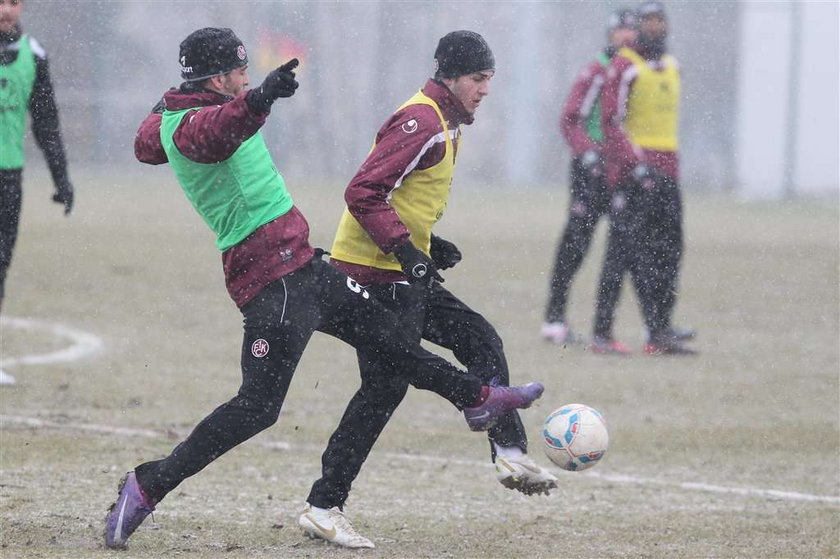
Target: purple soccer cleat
(501, 400)
(126, 515)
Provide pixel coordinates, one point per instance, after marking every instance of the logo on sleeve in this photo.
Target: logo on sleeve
(259, 348)
(410, 127)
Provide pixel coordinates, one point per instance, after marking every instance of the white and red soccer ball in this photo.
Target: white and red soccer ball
(575, 437)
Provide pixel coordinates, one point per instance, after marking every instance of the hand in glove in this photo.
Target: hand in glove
(444, 253)
(592, 163)
(645, 175)
(417, 267)
(279, 83)
(64, 195)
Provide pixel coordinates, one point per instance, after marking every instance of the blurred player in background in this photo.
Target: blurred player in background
(639, 115)
(580, 124)
(208, 131)
(385, 242)
(25, 85)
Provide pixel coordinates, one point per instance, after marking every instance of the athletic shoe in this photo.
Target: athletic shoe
(126, 515)
(608, 346)
(679, 334)
(6, 379)
(665, 344)
(501, 400)
(331, 525)
(524, 475)
(559, 333)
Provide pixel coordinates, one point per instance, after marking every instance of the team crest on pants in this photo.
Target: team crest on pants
(259, 348)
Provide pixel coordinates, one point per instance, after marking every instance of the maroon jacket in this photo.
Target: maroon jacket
(212, 135)
(397, 153)
(620, 154)
(579, 104)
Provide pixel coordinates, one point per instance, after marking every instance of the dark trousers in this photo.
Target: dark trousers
(11, 194)
(434, 314)
(589, 201)
(646, 239)
(278, 325)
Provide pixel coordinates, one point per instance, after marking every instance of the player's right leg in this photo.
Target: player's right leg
(271, 349)
(10, 203)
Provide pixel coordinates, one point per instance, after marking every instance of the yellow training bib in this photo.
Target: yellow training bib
(653, 105)
(419, 201)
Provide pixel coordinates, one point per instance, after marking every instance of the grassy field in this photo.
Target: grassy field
(733, 453)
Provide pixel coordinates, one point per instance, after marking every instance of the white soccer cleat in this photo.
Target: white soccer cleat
(524, 475)
(331, 525)
(6, 379)
(559, 333)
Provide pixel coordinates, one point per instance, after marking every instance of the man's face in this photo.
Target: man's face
(471, 88)
(9, 14)
(622, 37)
(231, 83)
(653, 26)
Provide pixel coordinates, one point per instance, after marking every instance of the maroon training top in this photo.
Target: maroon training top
(212, 135)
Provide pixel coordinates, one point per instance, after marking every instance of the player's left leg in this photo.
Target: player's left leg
(452, 324)
(278, 324)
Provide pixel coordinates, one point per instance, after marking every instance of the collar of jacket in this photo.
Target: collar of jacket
(453, 110)
(11, 36)
(176, 100)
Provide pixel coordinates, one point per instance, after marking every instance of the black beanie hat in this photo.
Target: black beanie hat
(622, 17)
(462, 52)
(209, 52)
(651, 8)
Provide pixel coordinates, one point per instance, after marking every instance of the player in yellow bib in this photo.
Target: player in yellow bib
(639, 115)
(385, 243)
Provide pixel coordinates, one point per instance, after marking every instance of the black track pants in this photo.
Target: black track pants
(436, 315)
(11, 194)
(278, 325)
(589, 201)
(646, 239)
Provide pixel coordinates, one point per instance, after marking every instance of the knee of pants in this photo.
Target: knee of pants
(261, 413)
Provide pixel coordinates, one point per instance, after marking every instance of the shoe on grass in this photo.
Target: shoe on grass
(127, 513)
(331, 525)
(524, 475)
(559, 333)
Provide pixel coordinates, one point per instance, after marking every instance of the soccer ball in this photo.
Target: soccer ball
(575, 437)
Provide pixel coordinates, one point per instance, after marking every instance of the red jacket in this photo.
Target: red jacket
(579, 104)
(395, 155)
(620, 154)
(211, 135)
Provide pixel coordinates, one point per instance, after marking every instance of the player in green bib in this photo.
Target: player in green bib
(25, 88)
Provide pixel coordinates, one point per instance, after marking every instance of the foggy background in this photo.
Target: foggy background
(759, 106)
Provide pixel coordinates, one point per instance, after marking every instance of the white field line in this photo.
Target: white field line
(83, 343)
(6, 420)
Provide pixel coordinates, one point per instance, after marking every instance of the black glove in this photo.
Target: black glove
(279, 83)
(444, 254)
(645, 175)
(417, 267)
(592, 163)
(64, 195)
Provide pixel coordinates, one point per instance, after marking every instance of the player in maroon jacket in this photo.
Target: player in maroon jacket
(580, 124)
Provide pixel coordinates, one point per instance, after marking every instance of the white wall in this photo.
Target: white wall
(778, 151)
